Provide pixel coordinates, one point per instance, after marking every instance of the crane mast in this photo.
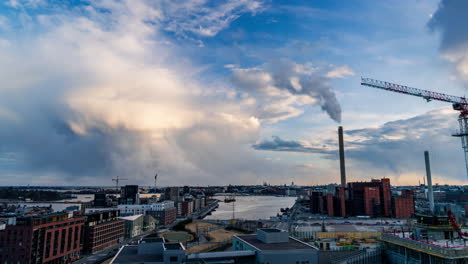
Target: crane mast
(458, 103)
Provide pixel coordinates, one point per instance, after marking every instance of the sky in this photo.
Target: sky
(217, 92)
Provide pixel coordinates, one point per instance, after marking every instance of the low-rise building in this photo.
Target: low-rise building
(152, 250)
(134, 225)
(274, 246)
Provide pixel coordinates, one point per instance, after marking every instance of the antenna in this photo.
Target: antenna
(155, 179)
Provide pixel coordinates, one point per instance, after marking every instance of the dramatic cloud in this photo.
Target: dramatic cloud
(93, 91)
(280, 88)
(450, 20)
(278, 144)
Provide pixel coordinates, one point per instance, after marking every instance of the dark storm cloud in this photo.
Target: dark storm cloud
(45, 142)
(451, 20)
(278, 144)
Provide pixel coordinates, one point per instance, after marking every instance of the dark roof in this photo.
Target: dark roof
(149, 239)
(130, 254)
(290, 245)
(271, 230)
(172, 246)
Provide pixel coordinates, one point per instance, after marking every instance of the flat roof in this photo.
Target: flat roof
(292, 244)
(221, 254)
(271, 230)
(129, 254)
(153, 239)
(131, 217)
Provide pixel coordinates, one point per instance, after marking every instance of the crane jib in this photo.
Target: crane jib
(428, 95)
(458, 103)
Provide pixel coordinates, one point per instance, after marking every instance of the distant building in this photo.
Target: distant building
(129, 194)
(50, 238)
(165, 211)
(275, 246)
(100, 200)
(172, 193)
(372, 199)
(102, 230)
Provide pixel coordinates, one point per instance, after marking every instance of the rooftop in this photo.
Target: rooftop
(290, 245)
(129, 254)
(173, 246)
(131, 218)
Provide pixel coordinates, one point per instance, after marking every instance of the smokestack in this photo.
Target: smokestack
(429, 181)
(342, 158)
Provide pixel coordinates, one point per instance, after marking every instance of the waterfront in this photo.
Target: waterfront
(251, 207)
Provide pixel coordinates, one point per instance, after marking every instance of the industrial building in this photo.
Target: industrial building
(372, 199)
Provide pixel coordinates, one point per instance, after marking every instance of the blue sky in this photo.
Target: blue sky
(195, 89)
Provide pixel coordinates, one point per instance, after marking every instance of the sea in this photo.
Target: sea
(251, 207)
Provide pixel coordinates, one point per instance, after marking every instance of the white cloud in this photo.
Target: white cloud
(339, 72)
(206, 18)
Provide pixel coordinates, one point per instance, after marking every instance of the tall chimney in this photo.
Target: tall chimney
(342, 158)
(429, 181)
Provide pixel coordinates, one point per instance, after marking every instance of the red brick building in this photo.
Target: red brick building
(402, 207)
(371, 200)
(386, 196)
(330, 210)
(102, 230)
(53, 238)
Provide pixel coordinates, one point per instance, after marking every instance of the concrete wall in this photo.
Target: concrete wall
(272, 237)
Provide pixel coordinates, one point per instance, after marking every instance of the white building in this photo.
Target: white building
(135, 209)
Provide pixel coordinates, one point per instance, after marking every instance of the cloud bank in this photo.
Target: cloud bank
(92, 91)
(278, 144)
(98, 90)
(394, 149)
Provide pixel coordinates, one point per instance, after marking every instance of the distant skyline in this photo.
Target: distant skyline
(207, 92)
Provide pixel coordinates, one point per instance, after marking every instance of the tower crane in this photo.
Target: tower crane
(458, 103)
(117, 179)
